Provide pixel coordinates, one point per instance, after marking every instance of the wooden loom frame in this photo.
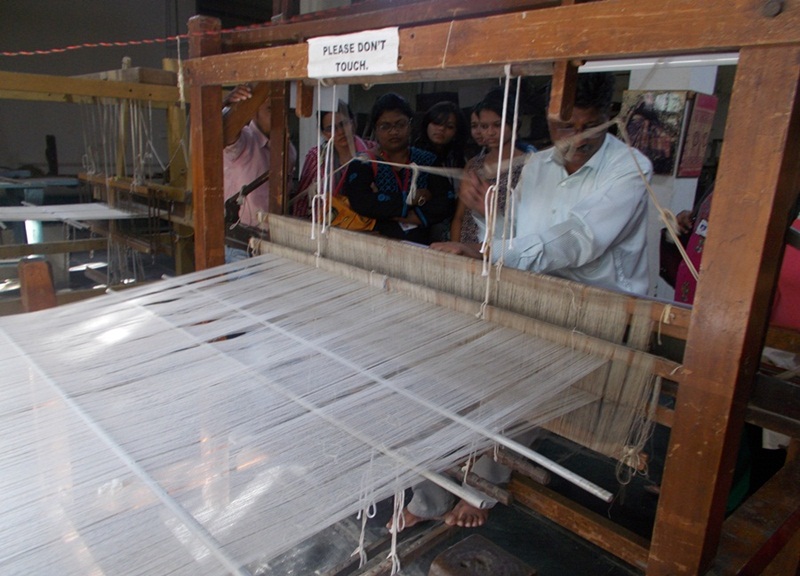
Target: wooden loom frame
(756, 193)
(127, 84)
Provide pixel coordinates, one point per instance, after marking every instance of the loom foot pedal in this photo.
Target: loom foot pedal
(477, 556)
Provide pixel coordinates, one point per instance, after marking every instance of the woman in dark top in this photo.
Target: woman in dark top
(380, 191)
(444, 131)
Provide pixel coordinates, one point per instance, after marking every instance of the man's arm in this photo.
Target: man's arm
(239, 94)
(590, 229)
(366, 199)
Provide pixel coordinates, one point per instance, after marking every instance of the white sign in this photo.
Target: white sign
(369, 53)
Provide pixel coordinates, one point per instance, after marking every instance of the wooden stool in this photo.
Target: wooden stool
(477, 556)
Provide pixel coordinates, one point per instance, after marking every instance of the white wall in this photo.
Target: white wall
(47, 24)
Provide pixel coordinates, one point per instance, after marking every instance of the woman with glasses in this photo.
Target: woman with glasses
(340, 126)
(381, 188)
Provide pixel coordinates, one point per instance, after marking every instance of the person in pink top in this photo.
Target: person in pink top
(786, 304)
(341, 126)
(245, 158)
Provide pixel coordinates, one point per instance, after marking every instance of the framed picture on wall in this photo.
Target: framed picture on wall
(654, 120)
(693, 153)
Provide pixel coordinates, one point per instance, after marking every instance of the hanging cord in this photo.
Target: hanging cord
(367, 511)
(491, 200)
(398, 524)
(632, 461)
(329, 161)
(508, 222)
(666, 216)
(411, 198)
(315, 201)
(181, 82)
(153, 153)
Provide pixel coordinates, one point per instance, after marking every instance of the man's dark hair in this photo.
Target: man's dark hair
(595, 90)
(387, 102)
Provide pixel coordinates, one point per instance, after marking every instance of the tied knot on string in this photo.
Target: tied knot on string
(631, 463)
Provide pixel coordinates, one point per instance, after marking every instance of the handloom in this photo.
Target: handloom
(211, 420)
(622, 394)
(755, 185)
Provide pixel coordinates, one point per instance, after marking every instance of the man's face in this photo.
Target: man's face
(578, 149)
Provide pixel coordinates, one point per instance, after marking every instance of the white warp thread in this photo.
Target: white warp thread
(260, 396)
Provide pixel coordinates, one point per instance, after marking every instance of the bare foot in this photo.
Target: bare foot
(409, 520)
(466, 516)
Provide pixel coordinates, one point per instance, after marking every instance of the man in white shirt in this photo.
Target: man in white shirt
(581, 215)
(581, 206)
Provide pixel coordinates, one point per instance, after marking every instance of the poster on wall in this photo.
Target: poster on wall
(654, 119)
(695, 143)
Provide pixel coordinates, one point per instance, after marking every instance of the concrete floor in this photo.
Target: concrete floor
(542, 544)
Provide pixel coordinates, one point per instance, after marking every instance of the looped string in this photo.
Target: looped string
(412, 189)
(491, 200)
(398, 524)
(489, 207)
(366, 511)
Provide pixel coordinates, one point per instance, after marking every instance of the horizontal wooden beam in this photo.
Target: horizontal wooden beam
(473, 73)
(357, 17)
(761, 526)
(591, 526)
(158, 191)
(8, 252)
(51, 88)
(774, 404)
(649, 28)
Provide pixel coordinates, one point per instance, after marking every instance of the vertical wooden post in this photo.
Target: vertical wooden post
(279, 169)
(562, 91)
(305, 100)
(563, 85)
(176, 129)
(36, 284)
(178, 172)
(206, 141)
(755, 192)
